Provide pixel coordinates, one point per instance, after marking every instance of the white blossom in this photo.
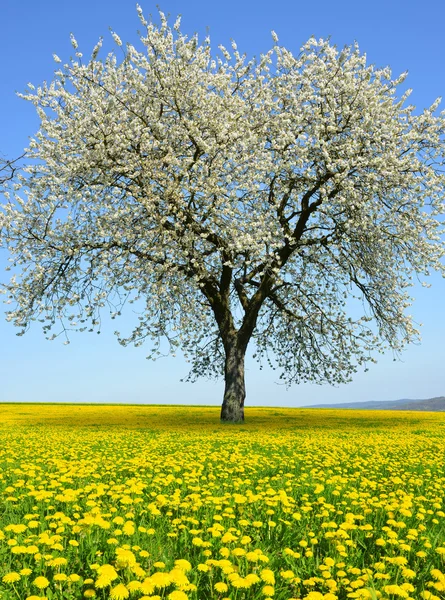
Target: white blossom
(74, 43)
(116, 38)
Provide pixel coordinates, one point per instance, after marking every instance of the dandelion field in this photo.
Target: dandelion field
(158, 502)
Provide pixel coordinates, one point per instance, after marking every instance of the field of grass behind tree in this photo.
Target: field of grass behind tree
(158, 502)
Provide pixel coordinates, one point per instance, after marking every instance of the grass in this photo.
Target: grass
(115, 501)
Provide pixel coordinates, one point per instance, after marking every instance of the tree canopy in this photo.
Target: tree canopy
(235, 200)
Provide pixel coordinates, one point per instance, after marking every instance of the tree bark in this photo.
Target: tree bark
(232, 410)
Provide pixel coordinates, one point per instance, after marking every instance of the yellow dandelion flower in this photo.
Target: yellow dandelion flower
(178, 577)
(240, 582)
(89, 593)
(252, 557)
(263, 558)
(221, 587)
(41, 582)
(177, 595)
(267, 576)
(147, 586)
(268, 590)
(11, 577)
(107, 573)
(129, 528)
(125, 558)
(395, 590)
(287, 574)
(59, 561)
(183, 564)
(119, 592)
(160, 579)
(408, 573)
(134, 585)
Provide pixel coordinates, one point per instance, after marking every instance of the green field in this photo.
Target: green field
(165, 502)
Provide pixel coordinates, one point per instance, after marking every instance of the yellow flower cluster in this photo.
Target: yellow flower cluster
(145, 502)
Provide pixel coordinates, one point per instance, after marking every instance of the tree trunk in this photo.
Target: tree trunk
(232, 410)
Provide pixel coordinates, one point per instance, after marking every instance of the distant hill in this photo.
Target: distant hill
(431, 404)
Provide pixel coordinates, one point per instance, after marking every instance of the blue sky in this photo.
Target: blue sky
(406, 35)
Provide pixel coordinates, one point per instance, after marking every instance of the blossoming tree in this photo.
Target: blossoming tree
(232, 200)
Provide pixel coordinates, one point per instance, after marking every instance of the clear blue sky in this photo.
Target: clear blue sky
(406, 35)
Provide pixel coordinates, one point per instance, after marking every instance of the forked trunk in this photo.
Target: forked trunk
(232, 410)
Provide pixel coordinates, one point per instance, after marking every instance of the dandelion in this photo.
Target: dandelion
(178, 577)
(267, 576)
(41, 582)
(177, 595)
(129, 528)
(160, 579)
(125, 558)
(396, 590)
(183, 564)
(134, 585)
(408, 573)
(147, 586)
(119, 592)
(221, 587)
(58, 562)
(11, 577)
(287, 574)
(426, 595)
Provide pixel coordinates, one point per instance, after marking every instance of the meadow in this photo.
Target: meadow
(151, 502)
